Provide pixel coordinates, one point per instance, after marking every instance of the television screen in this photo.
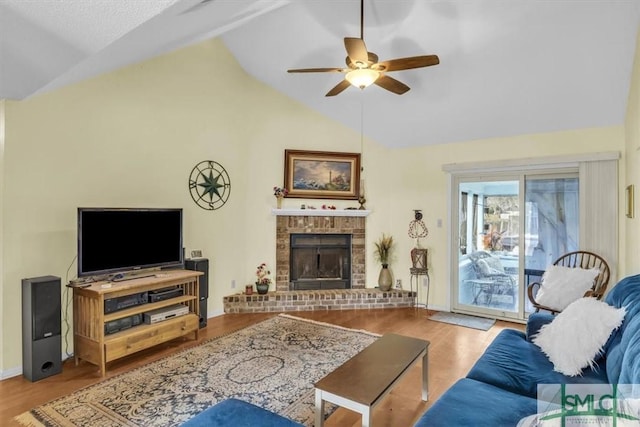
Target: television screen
(115, 240)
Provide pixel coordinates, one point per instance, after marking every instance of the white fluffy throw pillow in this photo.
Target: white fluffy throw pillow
(575, 337)
(562, 285)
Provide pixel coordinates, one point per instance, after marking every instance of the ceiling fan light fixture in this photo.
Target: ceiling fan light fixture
(363, 68)
(362, 77)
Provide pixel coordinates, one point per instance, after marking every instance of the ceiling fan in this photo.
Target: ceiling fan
(363, 68)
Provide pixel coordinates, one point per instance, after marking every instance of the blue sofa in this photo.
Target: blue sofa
(238, 413)
(500, 389)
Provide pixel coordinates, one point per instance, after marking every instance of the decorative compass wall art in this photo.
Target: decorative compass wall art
(209, 185)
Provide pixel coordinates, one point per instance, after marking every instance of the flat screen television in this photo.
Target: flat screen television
(112, 240)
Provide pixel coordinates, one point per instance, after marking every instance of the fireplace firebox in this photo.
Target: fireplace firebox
(320, 261)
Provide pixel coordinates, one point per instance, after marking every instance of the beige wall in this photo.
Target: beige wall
(632, 177)
(131, 137)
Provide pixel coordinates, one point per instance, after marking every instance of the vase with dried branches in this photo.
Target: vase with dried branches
(384, 247)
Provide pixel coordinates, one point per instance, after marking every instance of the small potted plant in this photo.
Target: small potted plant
(384, 246)
(262, 279)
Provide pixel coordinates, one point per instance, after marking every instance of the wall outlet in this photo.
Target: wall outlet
(197, 253)
(233, 284)
(398, 283)
(439, 222)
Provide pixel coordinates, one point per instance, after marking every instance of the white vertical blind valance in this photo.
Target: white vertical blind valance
(599, 211)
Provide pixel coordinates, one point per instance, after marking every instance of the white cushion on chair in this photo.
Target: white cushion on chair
(490, 265)
(563, 285)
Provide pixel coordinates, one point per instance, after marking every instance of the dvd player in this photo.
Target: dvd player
(165, 313)
(125, 301)
(165, 293)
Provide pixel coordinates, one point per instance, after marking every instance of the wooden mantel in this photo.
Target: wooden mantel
(320, 212)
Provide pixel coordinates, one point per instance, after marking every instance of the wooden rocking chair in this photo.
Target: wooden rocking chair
(577, 259)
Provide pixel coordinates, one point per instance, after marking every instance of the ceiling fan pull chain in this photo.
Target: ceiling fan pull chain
(362, 19)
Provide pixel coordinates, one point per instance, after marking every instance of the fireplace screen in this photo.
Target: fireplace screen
(320, 261)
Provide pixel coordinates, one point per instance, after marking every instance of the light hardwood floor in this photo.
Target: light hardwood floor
(452, 352)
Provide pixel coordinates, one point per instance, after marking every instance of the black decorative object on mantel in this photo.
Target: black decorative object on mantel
(209, 185)
(362, 201)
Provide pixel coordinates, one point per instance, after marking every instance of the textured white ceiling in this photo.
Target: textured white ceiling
(87, 25)
(508, 67)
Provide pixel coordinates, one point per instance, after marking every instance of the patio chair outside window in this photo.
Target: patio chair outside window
(492, 279)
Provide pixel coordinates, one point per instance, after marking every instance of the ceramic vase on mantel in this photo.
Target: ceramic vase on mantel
(384, 279)
(262, 288)
(279, 202)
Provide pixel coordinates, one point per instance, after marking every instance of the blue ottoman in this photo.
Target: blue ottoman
(237, 413)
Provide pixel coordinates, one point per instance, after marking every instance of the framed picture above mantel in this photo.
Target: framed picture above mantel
(322, 174)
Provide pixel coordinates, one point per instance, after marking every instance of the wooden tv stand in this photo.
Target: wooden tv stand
(90, 342)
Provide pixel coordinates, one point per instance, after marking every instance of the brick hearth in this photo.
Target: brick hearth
(284, 299)
(342, 299)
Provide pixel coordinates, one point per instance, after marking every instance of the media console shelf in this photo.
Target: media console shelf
(89, 339)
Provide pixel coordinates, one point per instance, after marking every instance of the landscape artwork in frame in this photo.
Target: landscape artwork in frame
(322, 174)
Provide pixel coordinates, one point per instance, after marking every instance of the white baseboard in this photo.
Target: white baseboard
(16, 371)
(11, 372)
(214, 313)
(432, 307)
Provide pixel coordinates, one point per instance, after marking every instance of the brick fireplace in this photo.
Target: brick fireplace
(286, 225)
(284, 299)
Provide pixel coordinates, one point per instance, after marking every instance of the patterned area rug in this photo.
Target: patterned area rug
(463, 320)
(272, 364)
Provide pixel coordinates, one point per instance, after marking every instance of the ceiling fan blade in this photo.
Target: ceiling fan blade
(316, 70)
(356, 49)
(391, 84)
(338, 88)
(408, 63)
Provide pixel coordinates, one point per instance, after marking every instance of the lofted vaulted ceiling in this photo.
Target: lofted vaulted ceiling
(507, 67)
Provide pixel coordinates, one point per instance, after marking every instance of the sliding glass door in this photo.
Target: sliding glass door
(551, 225)
(487, 255)
(509, 228)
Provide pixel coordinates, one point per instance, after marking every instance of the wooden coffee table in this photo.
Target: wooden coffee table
(362, 381)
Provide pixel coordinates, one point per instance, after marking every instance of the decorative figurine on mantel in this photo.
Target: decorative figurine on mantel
(280, 193)
(361, 198)
(418, 229)
(362, 201)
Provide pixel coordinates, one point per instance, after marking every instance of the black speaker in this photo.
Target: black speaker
(201, 265)
(41, 327)
(203, 312)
